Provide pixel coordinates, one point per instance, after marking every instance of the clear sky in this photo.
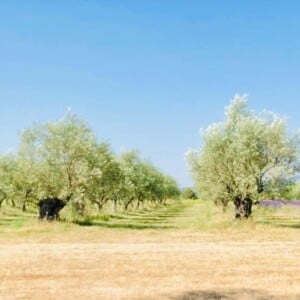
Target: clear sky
(146, 74)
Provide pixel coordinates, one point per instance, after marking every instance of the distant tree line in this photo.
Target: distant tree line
(188, 193)
(64, 160)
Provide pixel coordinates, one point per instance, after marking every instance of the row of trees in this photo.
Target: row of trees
(65, 160)
(247, 157)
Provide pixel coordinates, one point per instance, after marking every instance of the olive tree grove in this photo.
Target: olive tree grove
(64, 160)
(244, 157)
(144, 182)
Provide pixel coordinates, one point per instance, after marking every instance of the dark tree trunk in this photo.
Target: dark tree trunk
(260, 185)
(114, 202)
(2, 198)
(100, 205)
(69, 197)
(224, 203)
(101, 201)
(139, 202)
(243, 207)
(126, 205)
(161, 200)
(1, 201)
(137, 205)
(27, 194)
(24, 205)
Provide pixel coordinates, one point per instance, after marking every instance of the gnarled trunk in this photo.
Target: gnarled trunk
(2, 197)
(139, 203)
(243, 207)
(100, 205)
(27, 194)
(101, 202)
(127, 203)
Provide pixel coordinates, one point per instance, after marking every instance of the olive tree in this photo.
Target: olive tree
(188, 193)
(61, 155)
(27, 170)
(144, 182)
(243, 157)
(64, 160)
(7, 170)
(171, 189)
(135, 178)
(108, 184)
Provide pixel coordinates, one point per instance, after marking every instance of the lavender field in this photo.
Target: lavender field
(278, 203)
(279, 212)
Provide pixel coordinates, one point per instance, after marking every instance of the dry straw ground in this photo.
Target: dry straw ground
(201, 255)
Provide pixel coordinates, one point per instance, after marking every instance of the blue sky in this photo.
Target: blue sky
(146, 74)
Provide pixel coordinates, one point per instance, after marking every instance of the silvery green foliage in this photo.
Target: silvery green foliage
(246, 154)
(107, 179)
(144, 182)
(7, 170)
(63, 159)
(58, 159)
(140, 181)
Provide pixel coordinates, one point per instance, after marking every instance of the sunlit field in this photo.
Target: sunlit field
(187, 250)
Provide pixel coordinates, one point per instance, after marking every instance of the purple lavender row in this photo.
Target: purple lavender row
(279, 203)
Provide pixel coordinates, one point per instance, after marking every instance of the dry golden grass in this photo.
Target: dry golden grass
(60, 261)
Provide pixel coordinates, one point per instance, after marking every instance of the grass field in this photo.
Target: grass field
(188, 250)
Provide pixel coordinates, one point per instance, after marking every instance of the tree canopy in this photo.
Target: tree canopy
(243, 157)
(64, 160)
